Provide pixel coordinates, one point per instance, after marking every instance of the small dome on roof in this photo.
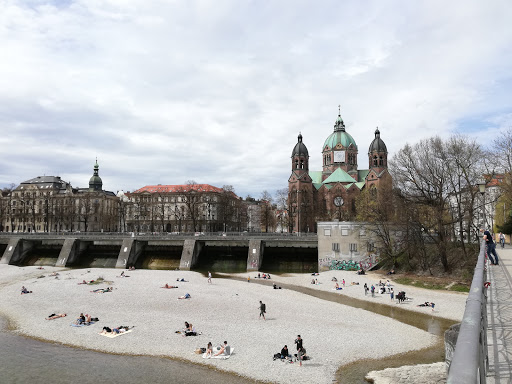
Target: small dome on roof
(377, 144)
(339, 136)
(300, 149)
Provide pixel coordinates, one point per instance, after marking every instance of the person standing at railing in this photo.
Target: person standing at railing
(491, 248)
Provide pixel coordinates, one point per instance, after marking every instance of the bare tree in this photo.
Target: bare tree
(268, 218)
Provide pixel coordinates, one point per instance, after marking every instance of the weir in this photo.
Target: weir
(230, 253)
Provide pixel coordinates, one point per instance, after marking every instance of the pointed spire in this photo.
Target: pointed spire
(377, 132)
(339, 125)
(300, 137)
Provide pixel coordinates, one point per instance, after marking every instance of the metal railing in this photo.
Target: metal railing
(470, 363)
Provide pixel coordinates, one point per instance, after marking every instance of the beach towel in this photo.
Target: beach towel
(81, 325)
(112, 335)
(223, 357)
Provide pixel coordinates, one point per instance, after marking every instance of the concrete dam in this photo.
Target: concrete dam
(232, 253)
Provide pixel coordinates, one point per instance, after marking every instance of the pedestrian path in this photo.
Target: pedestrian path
(499, 318)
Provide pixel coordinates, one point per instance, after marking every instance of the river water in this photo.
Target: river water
(25, 360)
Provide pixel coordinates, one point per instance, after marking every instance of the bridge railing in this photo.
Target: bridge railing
(469, 363)
(165, 235)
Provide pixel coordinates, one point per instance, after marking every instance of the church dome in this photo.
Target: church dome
(300, 149)
(95, 182)
(377, 144)
(339, 136)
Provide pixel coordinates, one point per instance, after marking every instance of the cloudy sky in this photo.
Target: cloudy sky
(162, 92)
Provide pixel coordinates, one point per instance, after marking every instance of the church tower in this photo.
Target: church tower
(378, 154)
(339, 152)
(300, 190)
(95, 182)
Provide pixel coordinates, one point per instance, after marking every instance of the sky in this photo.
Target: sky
(163, 92)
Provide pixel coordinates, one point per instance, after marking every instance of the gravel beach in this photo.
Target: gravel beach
(227, 309)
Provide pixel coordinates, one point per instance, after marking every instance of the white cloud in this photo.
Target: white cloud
(217, 91)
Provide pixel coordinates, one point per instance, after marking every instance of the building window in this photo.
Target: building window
(344, 232)
(353, 247)
(336, 247)
(370, 247)
(327, 231)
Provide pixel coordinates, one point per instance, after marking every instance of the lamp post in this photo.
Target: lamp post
(481, 188)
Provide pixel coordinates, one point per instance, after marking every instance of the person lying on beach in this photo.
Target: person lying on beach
(54, 274)
(334, 279)
(209, 350)
(182, 279)
(315, 274)
(100, 290)
(337, 286)
(83, 282)
(56, 316)
(169, 286)
(186, 296)
(123, 275)
(225, 349)
(425, 304)
(25, 290)
(120, 329)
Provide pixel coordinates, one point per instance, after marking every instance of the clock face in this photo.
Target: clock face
(339, 156)
(338, 201)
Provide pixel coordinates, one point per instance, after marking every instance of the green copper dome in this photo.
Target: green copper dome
(339, 136)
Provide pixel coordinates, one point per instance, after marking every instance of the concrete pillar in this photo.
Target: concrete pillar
(66, 252)
(450, 341)
(17, 250)
(130, 251)
(255, 257)
(190, 254)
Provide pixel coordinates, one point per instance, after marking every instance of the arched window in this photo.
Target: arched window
(381, 161)
(375, 160)
(302, 164)
(296, 164)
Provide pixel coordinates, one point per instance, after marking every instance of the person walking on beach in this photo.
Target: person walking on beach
(365, 289)
(373, 290)
(263, 309)
(300, 349)
(209, 277)
(391, 293)
(502, 240)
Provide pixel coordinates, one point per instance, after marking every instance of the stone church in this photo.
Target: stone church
(331, 193)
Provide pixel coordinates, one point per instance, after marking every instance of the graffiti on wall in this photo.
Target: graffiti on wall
(344, 265)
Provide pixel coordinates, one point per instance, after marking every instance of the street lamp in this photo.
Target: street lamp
(481, 188)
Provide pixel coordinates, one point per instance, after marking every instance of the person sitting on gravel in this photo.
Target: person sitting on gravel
(275, 286)
(285, 354)
(186, 296)
(425, 304)
(337, 287)
(80, 320)
(25, 290)
(224, 350)
(189, 330)
(106, 330)
(54, 316)
(209, 350)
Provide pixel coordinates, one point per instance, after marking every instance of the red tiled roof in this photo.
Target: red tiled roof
(496, 179)
(178, 188)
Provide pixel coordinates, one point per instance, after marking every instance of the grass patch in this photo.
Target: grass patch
(421, 283)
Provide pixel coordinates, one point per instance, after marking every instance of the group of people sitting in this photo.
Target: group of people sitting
(264, 276)
(189, 330)
(224, 349)
(285, 355)
(275, 286)
(25, 290)
(314, 281)
(401, 296)
(361, 272)
(83, 319)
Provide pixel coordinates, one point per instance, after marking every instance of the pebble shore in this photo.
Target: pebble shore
(227, 309)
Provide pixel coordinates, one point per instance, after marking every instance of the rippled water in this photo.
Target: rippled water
(24, 360)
